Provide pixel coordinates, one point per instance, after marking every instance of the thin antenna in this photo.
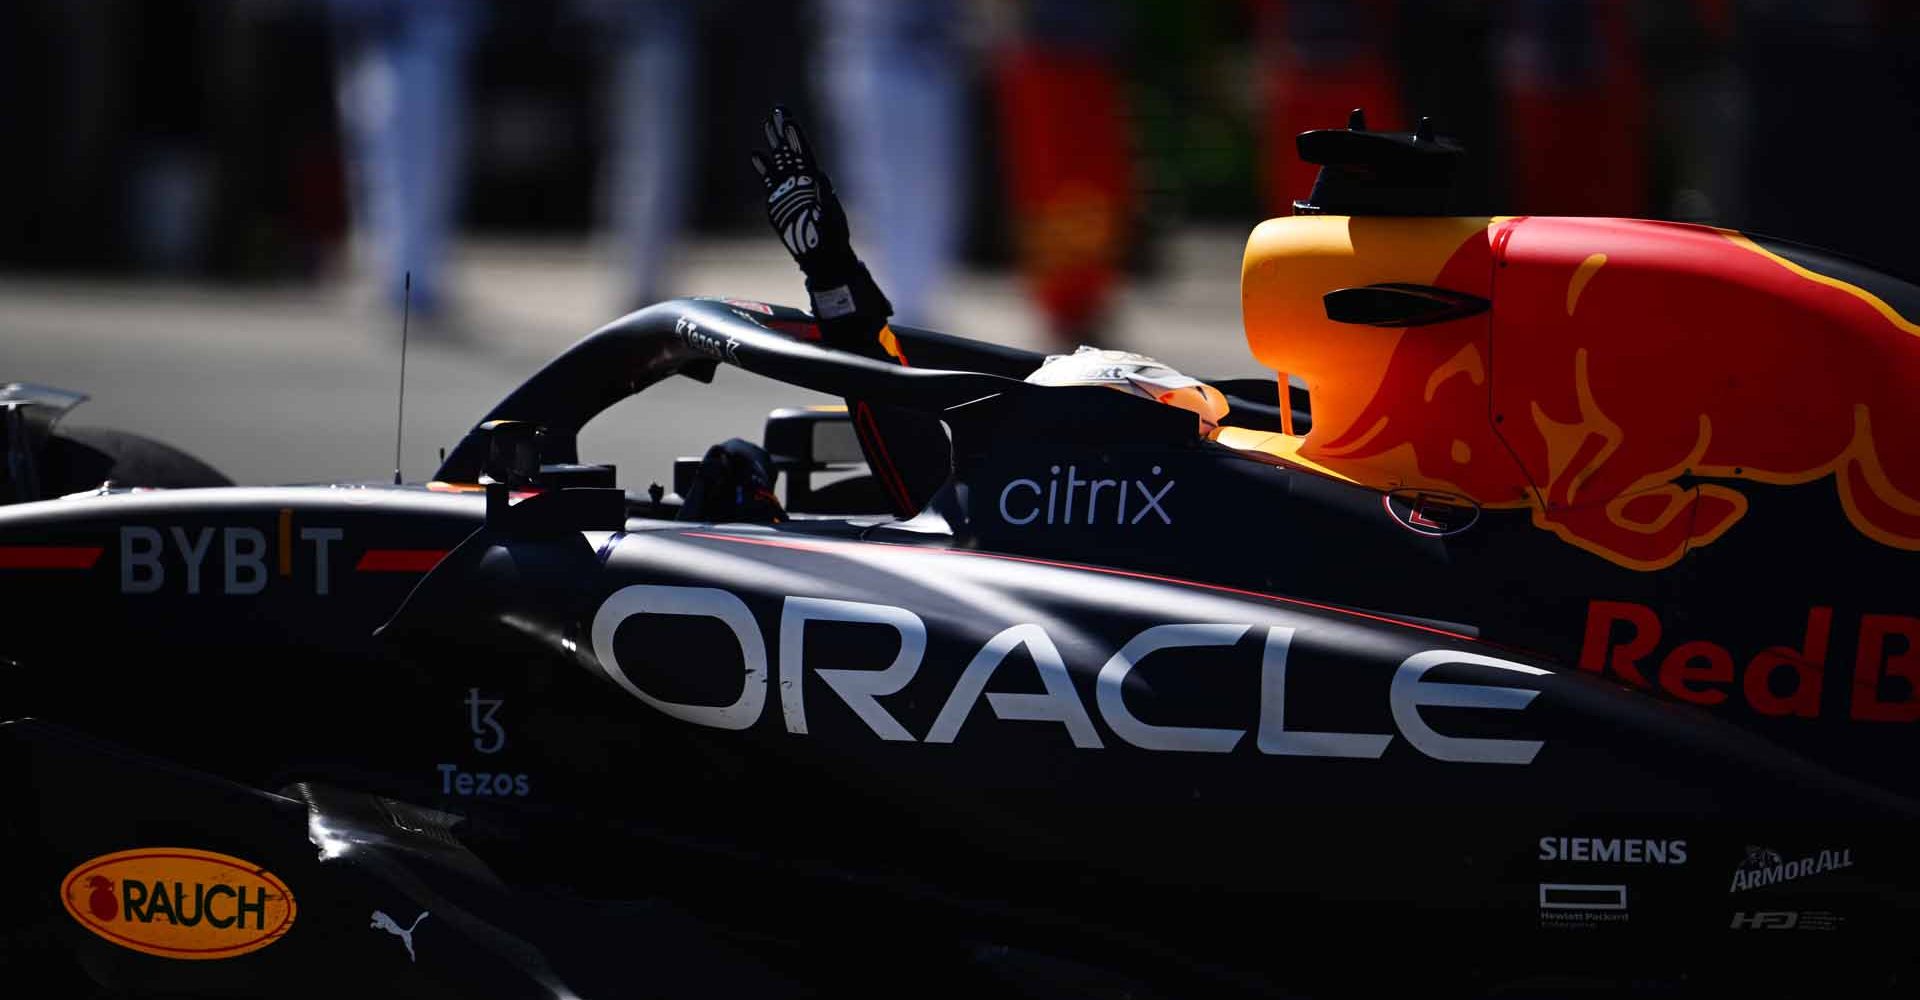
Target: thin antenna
(400, 421)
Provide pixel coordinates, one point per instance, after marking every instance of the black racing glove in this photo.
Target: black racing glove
(806, 213)
(907, 450)
(734, 483)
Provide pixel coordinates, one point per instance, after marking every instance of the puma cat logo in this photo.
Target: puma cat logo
(382, 922)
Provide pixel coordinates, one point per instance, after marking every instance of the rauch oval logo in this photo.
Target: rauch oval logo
(178, 902)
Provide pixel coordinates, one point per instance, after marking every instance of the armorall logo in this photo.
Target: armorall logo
(1764, 867)
(178, 902)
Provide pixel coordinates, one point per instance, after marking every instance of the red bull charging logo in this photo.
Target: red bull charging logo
(1629, 377)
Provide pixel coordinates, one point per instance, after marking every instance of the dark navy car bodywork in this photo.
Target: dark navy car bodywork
(1236, 740)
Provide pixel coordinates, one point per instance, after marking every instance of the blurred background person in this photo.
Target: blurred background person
(1701, 124)
(892, 80)
(1081, 170)
(402, 97)
(1069, 160)
(650, 46)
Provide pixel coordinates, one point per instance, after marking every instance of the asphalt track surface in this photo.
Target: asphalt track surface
(297, 383)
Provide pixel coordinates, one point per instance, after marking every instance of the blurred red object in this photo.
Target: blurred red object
(1576, 109)
(1321, 59)
(1070, 177)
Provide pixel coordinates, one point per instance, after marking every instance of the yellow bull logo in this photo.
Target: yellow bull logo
(1626, 374)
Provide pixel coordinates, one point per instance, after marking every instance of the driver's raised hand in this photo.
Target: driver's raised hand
(800, 201)
(807, 215)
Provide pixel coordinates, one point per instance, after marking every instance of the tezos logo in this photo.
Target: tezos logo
(177, 902)
(489, 737)
(1106, 501)
(712, 345)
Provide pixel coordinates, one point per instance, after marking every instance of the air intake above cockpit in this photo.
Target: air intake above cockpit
(1378, 173)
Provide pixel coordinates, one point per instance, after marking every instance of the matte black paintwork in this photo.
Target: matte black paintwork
(860, 858)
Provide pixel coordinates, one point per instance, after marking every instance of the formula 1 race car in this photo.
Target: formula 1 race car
(1542, 621)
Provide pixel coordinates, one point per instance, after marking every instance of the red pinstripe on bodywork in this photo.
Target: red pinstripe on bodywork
(399, 560)
(49, 556)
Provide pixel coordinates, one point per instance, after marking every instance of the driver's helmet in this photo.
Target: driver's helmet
(1136, 374)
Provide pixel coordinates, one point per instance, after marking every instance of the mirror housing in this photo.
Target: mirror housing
(804, 440)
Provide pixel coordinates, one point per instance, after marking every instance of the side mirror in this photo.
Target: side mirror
(27, 415)
(804, 440)
(514, 459)
(513, 453)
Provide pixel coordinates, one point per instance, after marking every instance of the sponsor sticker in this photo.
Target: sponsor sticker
(1582, 906)
(1571, 896)
(833, 303)
(1615, 850)
(714, 345)
(1786, 920)
(1627, 642)
(1424, 512)
(382, 922)
(178, 902)
(1764, 867)
(1120, 502)
(1410, 689)
(489, 737)
(227, 560)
